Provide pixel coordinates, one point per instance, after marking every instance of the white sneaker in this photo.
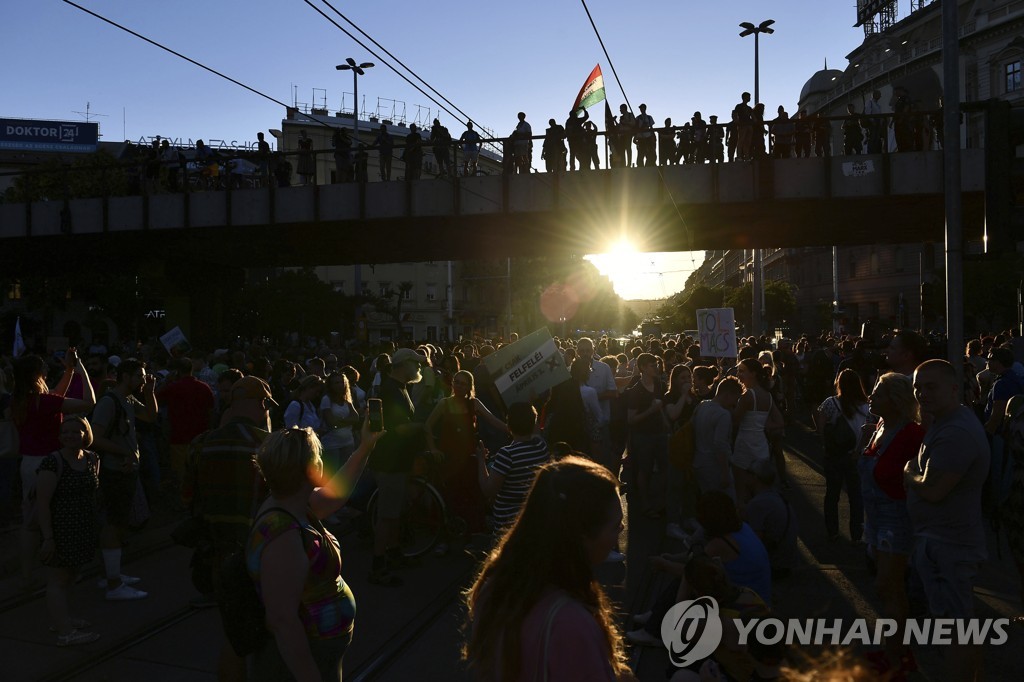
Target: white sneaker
(125, 593)
(614, 557)
(643, 638)
(675, 531)
(643, 618)
(125, 580)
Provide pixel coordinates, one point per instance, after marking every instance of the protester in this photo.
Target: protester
(37, 414)
(66, 487)
(505, 478)
(840, 420)
(296, 563)
(887, 531)
(451, 434)
(536, 611)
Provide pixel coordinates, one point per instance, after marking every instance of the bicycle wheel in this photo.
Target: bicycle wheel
(422, 518)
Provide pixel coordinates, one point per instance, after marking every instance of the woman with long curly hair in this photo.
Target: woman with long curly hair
(536, 611)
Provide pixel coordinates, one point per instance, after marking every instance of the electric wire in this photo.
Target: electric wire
(661, 175)
(186, 58)
(397, 60)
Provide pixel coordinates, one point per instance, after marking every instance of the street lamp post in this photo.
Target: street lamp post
(357, 71)
(758, 283)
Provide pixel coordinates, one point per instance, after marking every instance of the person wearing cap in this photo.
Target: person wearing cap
(393, 460)
(223, 487)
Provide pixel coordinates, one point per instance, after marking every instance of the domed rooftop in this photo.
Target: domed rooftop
(820, 82)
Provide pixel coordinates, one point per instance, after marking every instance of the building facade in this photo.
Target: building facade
(899, 55)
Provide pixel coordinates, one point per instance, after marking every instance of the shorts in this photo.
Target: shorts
(947, 578)
(29, 467)
(471, 155)
(887, 526)
(390, 494)
(117, 490)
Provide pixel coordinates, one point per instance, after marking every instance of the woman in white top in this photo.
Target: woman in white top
(748, 422)
(302, 410)
(337, 417)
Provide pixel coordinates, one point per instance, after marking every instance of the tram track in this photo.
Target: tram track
(374, 666)
(139, 635)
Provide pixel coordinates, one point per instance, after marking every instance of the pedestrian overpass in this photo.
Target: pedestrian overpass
(840, 200)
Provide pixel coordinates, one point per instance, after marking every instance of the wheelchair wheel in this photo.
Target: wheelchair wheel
(422, 520)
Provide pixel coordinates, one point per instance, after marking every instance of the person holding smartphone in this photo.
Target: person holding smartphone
(393, 460)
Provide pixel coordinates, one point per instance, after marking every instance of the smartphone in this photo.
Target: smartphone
(375, 408)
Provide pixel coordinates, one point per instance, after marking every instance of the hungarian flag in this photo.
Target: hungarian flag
(591, 93)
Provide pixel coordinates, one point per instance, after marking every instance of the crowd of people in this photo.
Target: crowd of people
(747, 134)
(262, 446)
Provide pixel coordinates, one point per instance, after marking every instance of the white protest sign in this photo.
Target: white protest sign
(175, 342)
(531, 365)
(717, 327)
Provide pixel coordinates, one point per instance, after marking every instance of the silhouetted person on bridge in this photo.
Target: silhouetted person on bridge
(783, 130)
(574, 135)
(385, 145)
(470, 140)
(715, 135)
(645, 140)
(307, 166)
(523, 145)
(441, 142)
(342, 144)
(413, 154)
(853, 135)
(553, 151)
(742, 119)
(667, 144)
(627, 128)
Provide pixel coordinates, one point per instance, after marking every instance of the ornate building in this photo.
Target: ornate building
(883, 282)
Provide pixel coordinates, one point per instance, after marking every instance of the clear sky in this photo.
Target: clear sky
(490, 59)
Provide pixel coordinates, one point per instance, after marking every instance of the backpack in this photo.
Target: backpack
(242, 613)
(840, 440)
(117, 420)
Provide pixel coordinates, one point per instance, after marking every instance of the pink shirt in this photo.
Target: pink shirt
(39, 434)
(576, 650)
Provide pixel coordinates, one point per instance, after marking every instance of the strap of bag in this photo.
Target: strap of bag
(552, 612)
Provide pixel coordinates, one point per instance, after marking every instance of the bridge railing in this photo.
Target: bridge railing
(146, 172)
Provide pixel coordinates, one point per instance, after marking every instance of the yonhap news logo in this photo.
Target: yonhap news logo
(691, 630)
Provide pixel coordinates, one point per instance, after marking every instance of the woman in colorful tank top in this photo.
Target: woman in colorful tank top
(296, 563)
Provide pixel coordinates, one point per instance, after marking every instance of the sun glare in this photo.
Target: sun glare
(621, 263)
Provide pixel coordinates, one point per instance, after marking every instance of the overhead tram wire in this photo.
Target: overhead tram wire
(661, 174)
(187, 59)
(385, 62)
(399, 61)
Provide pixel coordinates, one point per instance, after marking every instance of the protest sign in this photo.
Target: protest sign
(717, 327)
(527, 367)
(175, 342)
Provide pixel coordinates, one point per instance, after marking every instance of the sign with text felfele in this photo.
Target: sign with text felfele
(717, 328)
(530, 366)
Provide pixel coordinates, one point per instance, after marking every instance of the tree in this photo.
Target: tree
(391, 303)
(779, 303)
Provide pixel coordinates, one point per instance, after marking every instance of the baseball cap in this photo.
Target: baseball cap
(252, 387)
(407, 354)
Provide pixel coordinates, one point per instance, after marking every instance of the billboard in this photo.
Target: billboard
(869, 9)
(48, 136)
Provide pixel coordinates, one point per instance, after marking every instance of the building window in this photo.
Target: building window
(385, 289)
(875, 266)
(407, 294)
(14, 293)
(431, 292)
(1013, 76)
(900, 260)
